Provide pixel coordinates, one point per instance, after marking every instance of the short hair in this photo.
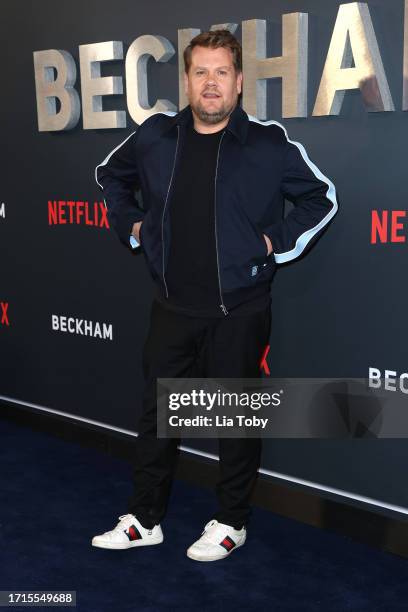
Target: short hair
(215, 39)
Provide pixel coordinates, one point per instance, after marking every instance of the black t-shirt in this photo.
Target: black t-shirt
(192, 274)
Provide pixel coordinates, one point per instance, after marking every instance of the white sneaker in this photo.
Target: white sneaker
(217, 542)
(128, 533)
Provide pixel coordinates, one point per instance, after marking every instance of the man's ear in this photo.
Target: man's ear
(185, 82)
(239, 82)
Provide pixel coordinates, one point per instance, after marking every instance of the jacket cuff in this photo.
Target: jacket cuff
(133, 242)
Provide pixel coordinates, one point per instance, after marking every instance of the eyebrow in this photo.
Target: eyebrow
(218, 67)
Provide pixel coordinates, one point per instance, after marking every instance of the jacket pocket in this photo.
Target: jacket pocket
(263, 266)
(144, 225)
(254, 235)
(141, 232)
(263, 242)
(150, 244)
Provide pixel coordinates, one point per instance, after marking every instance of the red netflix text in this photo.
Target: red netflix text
(61, 212)
(388, 226)
(3, 313)
(263, 363)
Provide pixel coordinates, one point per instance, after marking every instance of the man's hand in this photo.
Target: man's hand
(268, 244)
(136, 230)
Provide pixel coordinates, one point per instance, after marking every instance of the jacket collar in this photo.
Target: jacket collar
(237, 124)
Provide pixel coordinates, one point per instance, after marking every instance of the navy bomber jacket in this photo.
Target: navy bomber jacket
(258, 166)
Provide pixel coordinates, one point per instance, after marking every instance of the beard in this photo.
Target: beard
(213, 117)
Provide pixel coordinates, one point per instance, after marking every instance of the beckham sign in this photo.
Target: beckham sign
(353, 62)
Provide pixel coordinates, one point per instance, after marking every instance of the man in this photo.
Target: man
(213, 182)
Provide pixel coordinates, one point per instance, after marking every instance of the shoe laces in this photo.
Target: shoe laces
(209, 524)
(212, 532)
(125, 520)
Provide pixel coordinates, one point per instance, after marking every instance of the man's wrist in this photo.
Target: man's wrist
(136, 230)
(268, 243)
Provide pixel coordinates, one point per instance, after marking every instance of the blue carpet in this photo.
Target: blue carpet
(56, 495)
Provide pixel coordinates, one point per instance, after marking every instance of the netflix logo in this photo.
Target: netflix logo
(4, 320)
(388, 226)
(61, 212)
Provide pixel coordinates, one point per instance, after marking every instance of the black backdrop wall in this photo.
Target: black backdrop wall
(336, 312)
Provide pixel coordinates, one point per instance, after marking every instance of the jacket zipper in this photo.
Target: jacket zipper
(164, 208)
(222, 306)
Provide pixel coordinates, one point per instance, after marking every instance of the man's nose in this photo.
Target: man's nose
(211, 80)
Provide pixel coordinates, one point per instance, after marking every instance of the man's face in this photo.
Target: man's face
(212, 85)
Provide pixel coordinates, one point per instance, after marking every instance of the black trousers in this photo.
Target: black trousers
(182, 346)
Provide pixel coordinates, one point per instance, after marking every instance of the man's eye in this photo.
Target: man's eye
(222, 72)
